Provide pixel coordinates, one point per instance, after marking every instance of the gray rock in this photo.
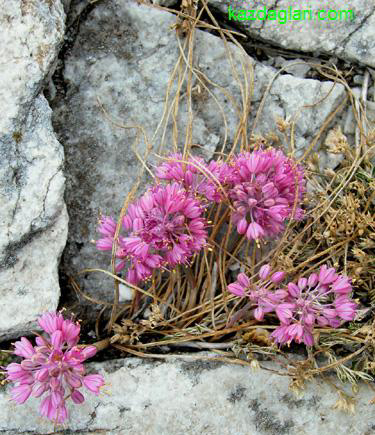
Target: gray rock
(358, 79)
(191, 397)
(32, 33)
(296, 67)
(123, 56)
(289, 98)
(33, 221)
(66, 4)
(351, 39)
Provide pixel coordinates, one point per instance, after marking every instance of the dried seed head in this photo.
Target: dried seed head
(358, 253)
(336, 142)
(259, 336)
(330, 173)
(282, 124)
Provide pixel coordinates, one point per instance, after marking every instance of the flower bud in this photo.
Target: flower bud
(277, 277)
(264, 271)
(312, 280)
(302, 282)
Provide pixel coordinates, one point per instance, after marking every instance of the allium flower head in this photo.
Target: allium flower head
(165, 227)
(263, 298)
(265, 186)
(195, 175)
(53, 368)
(322, 299)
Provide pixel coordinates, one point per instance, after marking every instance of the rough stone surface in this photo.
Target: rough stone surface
(185, 397)
(66, 4)
(123, 56)
(33, 219)
(296, 67)
(31, 33)
(349, 39)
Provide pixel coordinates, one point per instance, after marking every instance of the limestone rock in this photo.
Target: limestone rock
(66, 4)
(190, 397)
(31, 34)
(33, 221)
(121, 62)
(351, 39)
(296, 67)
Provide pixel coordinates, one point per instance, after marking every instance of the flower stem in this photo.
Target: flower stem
(102, 344)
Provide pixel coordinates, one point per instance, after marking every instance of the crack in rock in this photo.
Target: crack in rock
(363, 21)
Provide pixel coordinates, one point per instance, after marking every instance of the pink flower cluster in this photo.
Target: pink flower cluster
(53, 368)
(265, 186)
(165, 227)
(196, 176)
(322, 299)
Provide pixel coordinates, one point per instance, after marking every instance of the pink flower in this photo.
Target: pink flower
(277, 277)
(294, 332)
(195, 175)
(264, 271)
(284, 312)
(264, 300)
(254, 231)
(77, 397)
(243, 280)
(50, 322)
(53, 366)
(93, 383)
(342, 285)
(24, 348)
(345, 307)
(21, 393)
(236, 289)
(107, 228)
(264, 188)
(320, 299)
(326, 276)
(165, 227)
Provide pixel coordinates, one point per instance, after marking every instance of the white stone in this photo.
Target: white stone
(125, 293)
(33, 218)
(296, 67)
(33, 222)
(31, 33)
(192, 397)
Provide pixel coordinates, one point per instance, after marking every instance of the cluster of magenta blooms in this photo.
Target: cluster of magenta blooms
(53, 368)
(322, 299)
(166, 227)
